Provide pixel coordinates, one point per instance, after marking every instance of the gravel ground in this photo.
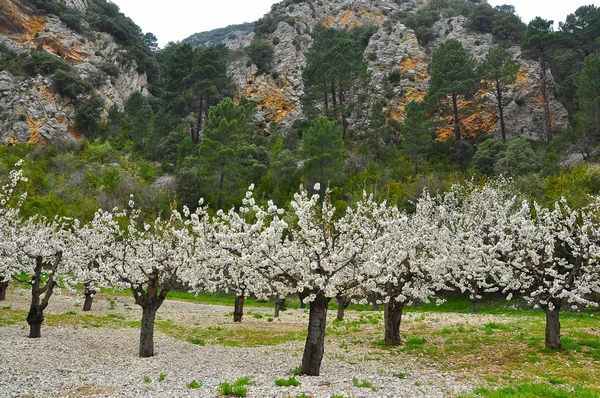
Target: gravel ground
(103, 362)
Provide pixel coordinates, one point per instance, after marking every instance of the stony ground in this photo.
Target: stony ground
(75, 360)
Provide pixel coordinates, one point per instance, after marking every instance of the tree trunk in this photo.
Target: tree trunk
(547, 114)
(238, 310)
(343, 303)
(374, 298)
(147, 332)
(315, 340)
(392, 317)
(89, 298)
(474, 299)
(501, 111)
(301, 296)
(35, 317)
(279, 306)
(343, 114)
(456, 119)
(3, 288)
(553, 326)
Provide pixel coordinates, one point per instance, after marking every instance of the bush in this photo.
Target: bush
(43, 63)
(70, 84)
(88, 114)
(261, 54)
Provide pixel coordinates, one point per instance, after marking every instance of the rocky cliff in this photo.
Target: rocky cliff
(393, 47)
(31, 108)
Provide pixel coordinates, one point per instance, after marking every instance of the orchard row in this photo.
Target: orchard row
(473, 238)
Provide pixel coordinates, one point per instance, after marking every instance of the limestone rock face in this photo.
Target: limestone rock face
(31, 110)
(393, 48)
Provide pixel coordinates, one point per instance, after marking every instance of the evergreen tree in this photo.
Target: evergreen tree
(588, 93)
(323, 146)
(499, 70)
(453, 74)
(417, 133)
(539, 44)
(334, 73)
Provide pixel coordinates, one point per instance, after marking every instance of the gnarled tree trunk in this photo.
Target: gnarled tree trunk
(301, 296)
(147, 331)
(3, 288)
(238, 309)
(315, 340)
(35, 317)
(279, 306)
(343, 303)
(553, 325)
(392, 318)
(150, 299)
(474, 298)
(89, 293)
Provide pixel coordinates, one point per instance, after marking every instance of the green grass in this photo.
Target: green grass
(287, 382)
(237, 388)
(194, 384)
(534, 391)
(228, 337)
(363, 384)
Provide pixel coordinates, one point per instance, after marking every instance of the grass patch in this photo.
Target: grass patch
(237, 388)
(363, 384)
(232, 337)
(290, 382)
(533, 391)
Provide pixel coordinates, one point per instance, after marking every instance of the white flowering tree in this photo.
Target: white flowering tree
(149, 258)
(404, 264)
(38, 247)
(476, 217)
(236, 239)
(319, 255)
(88, 247)
(553, 259)
(10, 219)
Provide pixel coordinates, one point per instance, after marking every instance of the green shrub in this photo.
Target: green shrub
(261, 54)
(43, 63)
(287, 382)
(70, 84)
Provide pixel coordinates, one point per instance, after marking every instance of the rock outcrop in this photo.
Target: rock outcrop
(31, 109)
(394, 47)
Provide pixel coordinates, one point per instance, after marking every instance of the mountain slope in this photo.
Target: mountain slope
(56, 68)
(393, 48)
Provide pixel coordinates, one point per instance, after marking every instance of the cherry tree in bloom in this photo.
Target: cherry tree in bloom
(319, 255)
(88, 247)
(403, 265)
(38, 252)
(237, 238)
(476, 217)
(10, 219)
(149, 258)
(553, 259)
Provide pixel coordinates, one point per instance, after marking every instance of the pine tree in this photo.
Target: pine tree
(453, 73)
(323, 146)
(539, 45)
(499, 70)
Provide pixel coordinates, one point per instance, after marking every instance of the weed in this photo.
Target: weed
(194, 384)
(162, 376)
(269, 319)
(287, 382)
(555, 380)
(237, 389)
(258, 316)
(112, 304)
(399, 375)
(363, 384)
(147, 379)
(296, 371)
(83, 378)
(200, 342)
